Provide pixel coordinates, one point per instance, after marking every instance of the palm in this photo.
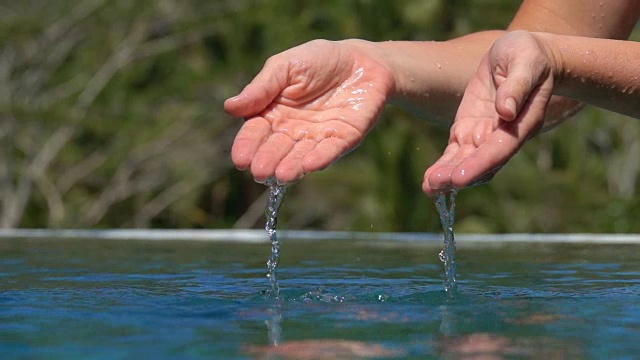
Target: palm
(311, 105)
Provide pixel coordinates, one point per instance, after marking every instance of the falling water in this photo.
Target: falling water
(276, 194)
(448, 254)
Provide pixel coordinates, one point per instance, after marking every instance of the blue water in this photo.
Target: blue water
(95, 299)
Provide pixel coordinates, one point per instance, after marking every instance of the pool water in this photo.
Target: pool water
(98, 299)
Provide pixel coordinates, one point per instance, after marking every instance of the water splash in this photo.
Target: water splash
(321, 294)
(276, 195)
(447, 214)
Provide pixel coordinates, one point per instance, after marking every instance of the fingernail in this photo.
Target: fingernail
(510, 103)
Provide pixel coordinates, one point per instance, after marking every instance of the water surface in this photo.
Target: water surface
(97, 299)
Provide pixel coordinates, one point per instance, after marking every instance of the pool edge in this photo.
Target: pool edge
(259, 236)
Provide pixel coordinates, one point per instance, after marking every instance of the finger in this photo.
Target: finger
(488, 157)
(437, 180)
(251, 135)
(261, 91)
(326, 152)
(290, 168)
(269, 155)
(524, 75)
(506, 140)
(437, 175)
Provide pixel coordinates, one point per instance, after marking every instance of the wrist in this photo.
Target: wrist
(552, 48)
(560, 107)
(373, 52)
(413, 65)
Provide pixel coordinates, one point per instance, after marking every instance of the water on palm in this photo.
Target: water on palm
(446, 205)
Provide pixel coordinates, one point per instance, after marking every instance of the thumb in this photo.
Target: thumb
(523, 75)
(261, 91)
(515, 90)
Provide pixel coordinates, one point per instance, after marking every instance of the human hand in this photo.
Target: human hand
(503, 106)
(308, 106)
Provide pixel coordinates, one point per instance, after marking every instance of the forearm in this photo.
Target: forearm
(587, 18)
(604, 73)
(431, 76)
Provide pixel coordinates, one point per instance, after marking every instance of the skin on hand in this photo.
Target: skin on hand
(503, 106)
(307, 107)
(312, 104)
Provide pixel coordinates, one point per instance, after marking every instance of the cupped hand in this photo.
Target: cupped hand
(307, 107)
(503, 106)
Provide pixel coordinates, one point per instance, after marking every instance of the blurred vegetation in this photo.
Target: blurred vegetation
(111, 116)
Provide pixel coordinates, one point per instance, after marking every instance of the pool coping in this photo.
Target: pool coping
(259, 236)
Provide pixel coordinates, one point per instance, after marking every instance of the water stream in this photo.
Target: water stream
(446, 205)
(276, 195)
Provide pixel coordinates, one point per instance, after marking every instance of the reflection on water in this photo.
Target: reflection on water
(274, 328)
(447, 324)
(347, 299)
(452, 340)
(320, 349)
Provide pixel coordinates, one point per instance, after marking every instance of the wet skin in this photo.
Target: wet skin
(306, 108)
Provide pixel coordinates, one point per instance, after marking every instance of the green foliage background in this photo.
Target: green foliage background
(111, 116)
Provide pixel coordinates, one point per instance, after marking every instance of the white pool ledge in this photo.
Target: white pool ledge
(259, 236)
